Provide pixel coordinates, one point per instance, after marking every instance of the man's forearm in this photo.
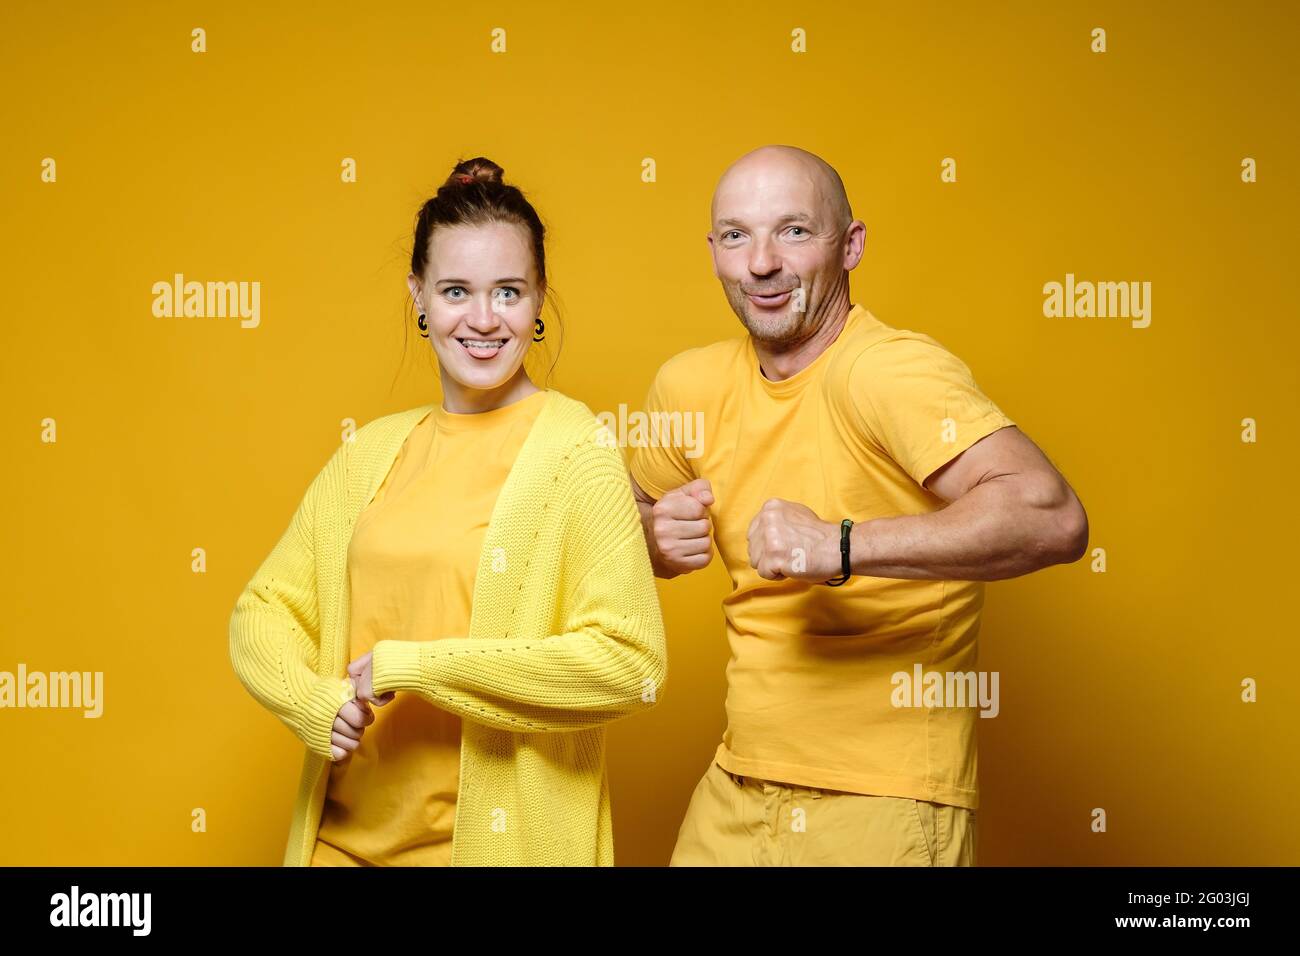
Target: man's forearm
(999, 529)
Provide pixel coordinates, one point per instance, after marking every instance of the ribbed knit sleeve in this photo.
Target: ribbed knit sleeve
(608, 662)
(275, 631)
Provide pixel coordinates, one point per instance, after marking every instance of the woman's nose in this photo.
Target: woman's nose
(483, 317)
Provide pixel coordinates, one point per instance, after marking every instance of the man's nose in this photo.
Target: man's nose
(763, 260)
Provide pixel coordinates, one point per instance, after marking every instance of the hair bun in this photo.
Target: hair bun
(477, 170)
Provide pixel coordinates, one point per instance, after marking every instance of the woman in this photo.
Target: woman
(481, 565)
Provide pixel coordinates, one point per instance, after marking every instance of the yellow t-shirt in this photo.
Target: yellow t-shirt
(853, 435)
(412, 562)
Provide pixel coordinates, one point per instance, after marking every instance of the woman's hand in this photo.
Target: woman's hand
(355, 715)
(361, 673)
(351, 722)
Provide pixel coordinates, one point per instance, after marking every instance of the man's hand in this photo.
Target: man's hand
(788, 540)
(678, 529)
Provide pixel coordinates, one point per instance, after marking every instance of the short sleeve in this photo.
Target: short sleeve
(660, 466)
(920, 404)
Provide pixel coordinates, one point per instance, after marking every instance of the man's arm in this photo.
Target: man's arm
(1010, 512)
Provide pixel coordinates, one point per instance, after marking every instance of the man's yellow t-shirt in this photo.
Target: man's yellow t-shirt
(810, 689)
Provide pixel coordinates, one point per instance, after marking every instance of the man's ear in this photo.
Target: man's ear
(709, 238)
(855, 244)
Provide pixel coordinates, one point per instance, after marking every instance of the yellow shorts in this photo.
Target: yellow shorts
(742, 821)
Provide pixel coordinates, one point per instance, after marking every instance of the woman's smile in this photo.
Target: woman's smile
(483, 349)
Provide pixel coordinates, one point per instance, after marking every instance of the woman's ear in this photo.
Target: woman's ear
(413, 285)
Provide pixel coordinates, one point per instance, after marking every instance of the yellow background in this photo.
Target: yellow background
(1118, 690)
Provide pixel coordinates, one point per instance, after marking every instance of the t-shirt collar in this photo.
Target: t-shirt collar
(796, 382)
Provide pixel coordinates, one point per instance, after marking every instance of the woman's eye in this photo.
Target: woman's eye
(455, 288)
(507, 292)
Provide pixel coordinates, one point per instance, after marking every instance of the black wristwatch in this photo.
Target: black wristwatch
(845, 527)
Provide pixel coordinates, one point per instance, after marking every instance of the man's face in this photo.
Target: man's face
(777, 249)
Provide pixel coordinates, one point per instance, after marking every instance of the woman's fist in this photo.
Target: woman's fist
(352, 720)
(362, 673)
(355, 715)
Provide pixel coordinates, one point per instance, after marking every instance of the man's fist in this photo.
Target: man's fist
(788, 540)
(682, 530)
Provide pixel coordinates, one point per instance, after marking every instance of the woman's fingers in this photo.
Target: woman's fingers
(359, 665)
(343, 727)
(350, 723)
(356, 715)
(349, 744)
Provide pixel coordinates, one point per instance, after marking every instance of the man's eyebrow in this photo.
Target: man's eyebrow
(788, 217)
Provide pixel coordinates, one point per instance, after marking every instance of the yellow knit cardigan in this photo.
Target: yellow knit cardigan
(565, 636)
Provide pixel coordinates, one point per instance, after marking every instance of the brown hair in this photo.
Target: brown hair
(476, 194)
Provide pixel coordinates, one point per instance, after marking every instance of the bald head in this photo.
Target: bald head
(784, 240)
(790, 170)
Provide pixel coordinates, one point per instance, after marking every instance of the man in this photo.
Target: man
(824, 413)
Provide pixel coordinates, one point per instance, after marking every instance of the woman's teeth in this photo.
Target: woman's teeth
(482, 343)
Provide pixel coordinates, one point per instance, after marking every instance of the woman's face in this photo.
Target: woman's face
(481, 296)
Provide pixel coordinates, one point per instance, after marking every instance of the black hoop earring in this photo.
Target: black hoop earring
(424, 326)
(539, 330)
